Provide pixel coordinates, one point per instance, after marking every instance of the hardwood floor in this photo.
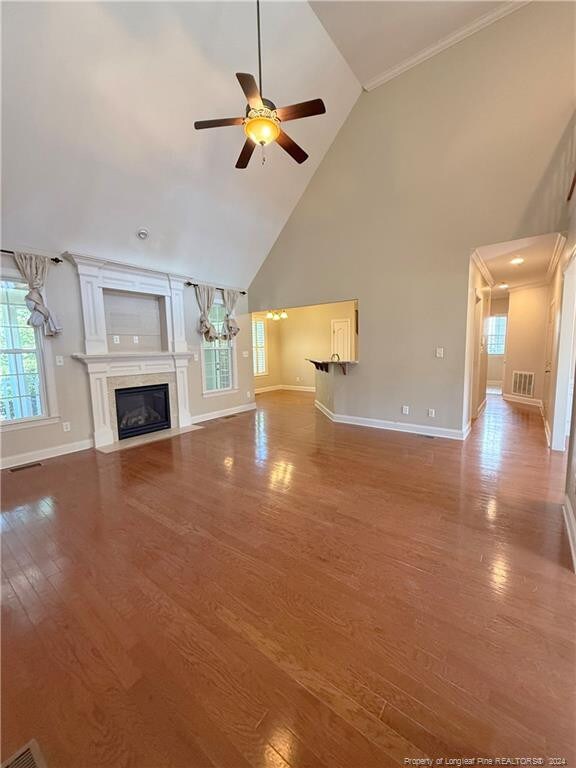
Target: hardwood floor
(276, 590)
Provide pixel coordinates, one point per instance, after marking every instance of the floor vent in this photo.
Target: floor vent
(232, 416)
(523, 383)
(19, 469)
(27, 757)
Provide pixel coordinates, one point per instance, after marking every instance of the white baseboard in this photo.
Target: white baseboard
(395, 426)
(481, 407)
(524, 400)
(570, 520)
(224, 412)
(45, 453)
(276, 387)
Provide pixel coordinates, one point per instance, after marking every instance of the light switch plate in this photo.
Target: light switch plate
(405, 410)
(59, 360)
(66, 426)
(439, 351)
(245, 353)
(115, 339)
(136, 339)
(432, 413)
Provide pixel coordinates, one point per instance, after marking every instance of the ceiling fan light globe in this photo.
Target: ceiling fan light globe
(262, 126)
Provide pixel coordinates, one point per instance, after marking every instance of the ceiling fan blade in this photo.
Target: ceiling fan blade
(218, 123)
(250, 88)
(246, 154)
(304, 109)
(290, 146)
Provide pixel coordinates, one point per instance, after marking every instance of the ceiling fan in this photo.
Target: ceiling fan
(263, 118)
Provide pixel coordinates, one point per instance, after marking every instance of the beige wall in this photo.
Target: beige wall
(306, 333)
(453, 154)
(526, 336)
(63, 295)
(273, 377)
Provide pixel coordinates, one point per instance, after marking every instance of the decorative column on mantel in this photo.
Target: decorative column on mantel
(95, 276)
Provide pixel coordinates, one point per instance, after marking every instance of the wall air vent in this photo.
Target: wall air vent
(523, 383)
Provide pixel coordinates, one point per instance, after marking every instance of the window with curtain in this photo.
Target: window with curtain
(21, 374)
(217, 355)
(259, 356)
(496, 335)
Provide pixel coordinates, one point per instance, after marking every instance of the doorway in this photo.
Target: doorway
(285, 339)
(341, 339)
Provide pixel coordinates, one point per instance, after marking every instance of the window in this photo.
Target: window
(217, 356)
(21, 380)
(259, 356)
(496, 335)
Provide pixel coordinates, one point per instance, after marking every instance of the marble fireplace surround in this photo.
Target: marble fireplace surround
(108, 370)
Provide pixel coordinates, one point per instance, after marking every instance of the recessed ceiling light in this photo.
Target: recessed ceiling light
(503, 286)
(517, 260)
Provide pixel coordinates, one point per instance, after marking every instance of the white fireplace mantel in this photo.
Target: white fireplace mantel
(95, 276)
(102, 367)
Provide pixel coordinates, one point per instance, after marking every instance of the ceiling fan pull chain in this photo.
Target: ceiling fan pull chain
(263, 155)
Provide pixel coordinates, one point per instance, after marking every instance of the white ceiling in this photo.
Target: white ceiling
(99, 101)
(380, 40)
(537, 252)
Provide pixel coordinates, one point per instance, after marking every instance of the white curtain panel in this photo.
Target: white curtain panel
(34, 269)
(205, 297)
(231, 328)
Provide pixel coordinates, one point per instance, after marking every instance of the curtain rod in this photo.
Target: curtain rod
(55, 259)
(188, 284)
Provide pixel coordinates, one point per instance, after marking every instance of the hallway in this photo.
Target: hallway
(277, 590)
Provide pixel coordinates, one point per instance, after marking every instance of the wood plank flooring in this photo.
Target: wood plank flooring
(279, 591)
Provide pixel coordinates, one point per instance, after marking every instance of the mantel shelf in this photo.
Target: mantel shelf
(102, 358)
(324, 365)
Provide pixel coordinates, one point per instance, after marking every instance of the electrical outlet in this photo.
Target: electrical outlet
(66, 426)
(115, 339)
(440, 352)
(298, 379)
(405, 410)
(245, 353)
(248, 394)
(432, 413)
(59, 360)
(195, 357)
(136, 339)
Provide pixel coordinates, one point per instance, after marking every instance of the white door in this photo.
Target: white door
(341, 339)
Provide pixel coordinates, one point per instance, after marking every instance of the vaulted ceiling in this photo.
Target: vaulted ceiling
(99, 101)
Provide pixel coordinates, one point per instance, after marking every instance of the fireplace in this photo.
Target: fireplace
(142, 409)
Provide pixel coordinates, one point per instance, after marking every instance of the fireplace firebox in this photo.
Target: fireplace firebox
(142, 409)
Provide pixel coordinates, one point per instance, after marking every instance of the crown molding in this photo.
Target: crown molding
(555, 257)
(482, 268)
(447, 42)
(533, 284)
